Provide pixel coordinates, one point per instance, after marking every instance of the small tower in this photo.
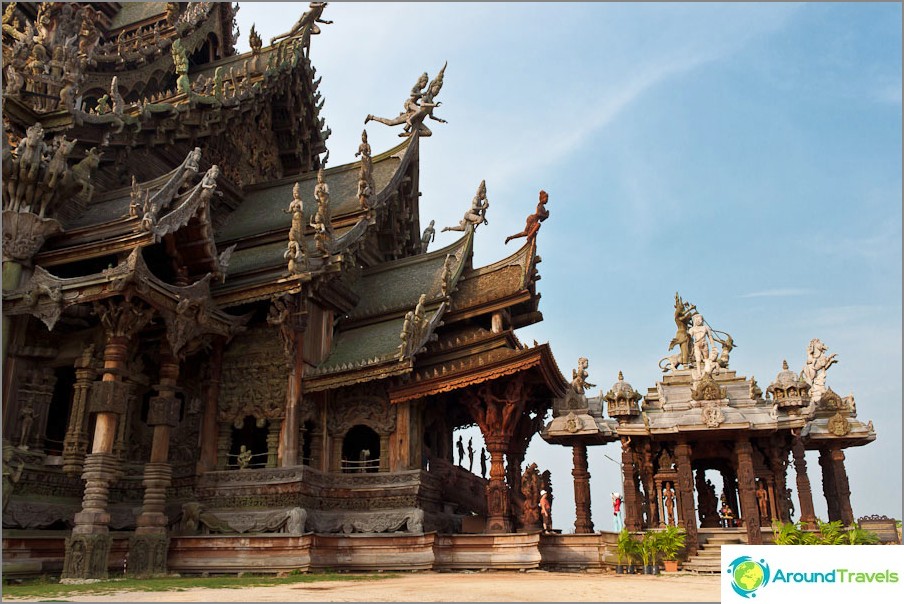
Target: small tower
(622, 399)
(789, 391)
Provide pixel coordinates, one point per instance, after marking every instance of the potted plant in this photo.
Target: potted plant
(623, 550)
(671, 541)
(648, 547)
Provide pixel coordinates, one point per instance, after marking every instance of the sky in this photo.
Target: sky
(747, 156)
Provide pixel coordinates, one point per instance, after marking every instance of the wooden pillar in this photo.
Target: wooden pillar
(749, 512)
(207, 460)
(497, 408)
(779, 461)
(629, 485)
(582, 524)
(686, 495)
(88, 547)
(224, 441)
(273, 432)
(75, 445)
(842, 488)
(829, 488)
(148, 548)
(804, 492)
(498, 498)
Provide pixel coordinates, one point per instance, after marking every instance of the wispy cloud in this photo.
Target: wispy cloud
(787, 292)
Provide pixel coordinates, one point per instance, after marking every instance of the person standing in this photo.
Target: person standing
(616, 512)
(546, 511)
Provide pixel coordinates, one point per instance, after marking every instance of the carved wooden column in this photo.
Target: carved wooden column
(497, 414)
(686, 495)
(747, 486)
(842, 488)
(207, 460)
(804, 492)
(75, 444)
(292, 323)
(629, 485)
(147, 549)
(582, 523)
(274, 428)
(224, 440)
(88, 547)
(829, 488)
(648, 489)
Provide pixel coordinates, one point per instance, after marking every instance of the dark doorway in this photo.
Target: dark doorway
(58, 414)
(361, 450)
(308, 431)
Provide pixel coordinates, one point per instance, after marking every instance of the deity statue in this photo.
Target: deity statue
(296, 253)
(683, 313)
(27, 418)
(579, 377)
(483, 462)
(306, 24)
(419, 105)
(461, 450)
(703, 340)
(669, 497)
(470, 455)
(814, 372)
(244, 457)
(322, 195)
(477, 214)
(532, 225)
(762, 500)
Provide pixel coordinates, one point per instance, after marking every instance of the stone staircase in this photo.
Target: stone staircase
(709, 556)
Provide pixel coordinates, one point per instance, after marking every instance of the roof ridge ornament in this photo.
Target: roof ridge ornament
(306, 26)
(417, 107)
(477, 214)
(532, 224)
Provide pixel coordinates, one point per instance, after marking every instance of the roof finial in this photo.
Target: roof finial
(621, 378)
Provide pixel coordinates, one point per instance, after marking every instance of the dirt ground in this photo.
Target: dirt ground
(534, 586)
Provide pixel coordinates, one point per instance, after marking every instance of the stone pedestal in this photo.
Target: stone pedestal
(147, 554)
(86, 556)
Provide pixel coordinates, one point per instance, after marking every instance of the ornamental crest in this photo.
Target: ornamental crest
(839, 425)
(706, 389)
(712, 415)
(573, 423)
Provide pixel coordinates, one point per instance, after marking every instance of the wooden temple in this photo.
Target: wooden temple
(208, 332)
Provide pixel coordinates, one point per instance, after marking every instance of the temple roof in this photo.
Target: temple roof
(133, 12)
(263, 209)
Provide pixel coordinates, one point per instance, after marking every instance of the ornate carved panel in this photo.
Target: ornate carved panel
(361, 405)
(254, 378)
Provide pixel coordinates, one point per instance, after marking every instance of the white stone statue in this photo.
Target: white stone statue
(703, 340)
(814, 372)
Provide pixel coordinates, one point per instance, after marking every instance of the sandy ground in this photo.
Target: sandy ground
(535, 586)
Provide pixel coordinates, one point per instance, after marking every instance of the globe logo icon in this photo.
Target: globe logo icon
(748, 575)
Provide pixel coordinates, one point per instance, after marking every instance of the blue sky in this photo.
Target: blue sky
(747, 156)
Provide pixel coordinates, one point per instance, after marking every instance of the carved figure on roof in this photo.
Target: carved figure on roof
(322, 236)
(296, 209)
(254, 41)
(56, 170)
(477, 214)
(172, 13)
(446, 276)
(322, 195)
(532, 225)
(683, 313)
(30, 154)
(579, 377)
(814, 372)
(407, 334)
(703, 338)
(14, 81)
(419, 105)
(366, 185)
(306, 24)
(425, 108)
(115, 97)
(428, 236)
(180, 62)
(88, 35)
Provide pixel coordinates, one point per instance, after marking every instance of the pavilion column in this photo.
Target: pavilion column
(224, 440)
(686, 495)
(842, 488)
(498, 499)
(780, 477)
(747, 487)
(648, 488)
(147, 549)
(629, 485)
(293, 323)
(88, 547)
(497, 409)
(207, 460)
(582, 524)
(829, 488)
(75, 445)
(804, 492)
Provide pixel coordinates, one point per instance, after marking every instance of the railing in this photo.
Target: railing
(357, 467)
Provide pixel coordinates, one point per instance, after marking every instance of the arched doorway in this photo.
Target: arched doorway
(361, 450)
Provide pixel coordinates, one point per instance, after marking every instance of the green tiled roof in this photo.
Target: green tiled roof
(398, 285)
(132, 12)
(361, 346)
(263, 209)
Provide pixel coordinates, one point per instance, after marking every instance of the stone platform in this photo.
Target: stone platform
(271, 553)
